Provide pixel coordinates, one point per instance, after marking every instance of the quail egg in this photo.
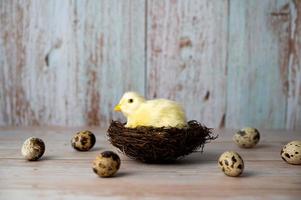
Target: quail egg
(231, 163)
(33, 148)
(106, 164)
(83, 141)
(247, 137)
(291, 152)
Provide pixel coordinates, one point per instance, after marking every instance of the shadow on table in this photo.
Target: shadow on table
(122, 174)
(261, 146)
(247, 174)
(198, 158)
(95, 149)
(192, 159)
(47, 157)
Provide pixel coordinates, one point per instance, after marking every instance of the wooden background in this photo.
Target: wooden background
(231, 63)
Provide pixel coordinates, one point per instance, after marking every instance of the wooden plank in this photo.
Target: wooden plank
(68, 62)
(272, 150)
(66, 174)
(294, 67)
(186, 56)
(258, 63)
(57, 140)
(68, 178)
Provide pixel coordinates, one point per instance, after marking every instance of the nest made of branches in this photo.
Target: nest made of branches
(159, 145)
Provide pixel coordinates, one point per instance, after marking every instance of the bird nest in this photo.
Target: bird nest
(159, 145)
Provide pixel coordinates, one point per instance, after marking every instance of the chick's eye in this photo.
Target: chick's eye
(130, 100)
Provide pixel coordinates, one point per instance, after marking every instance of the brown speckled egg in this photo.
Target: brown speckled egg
(291, 152)
(83, 141)
(247, 137)
(33, 149)
(106, 164)
(231, 163)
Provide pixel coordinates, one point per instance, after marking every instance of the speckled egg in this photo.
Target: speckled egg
(83, 141)
(291, 152)
(231, 163)
(33, 149)
(106, 164)
(247, 137)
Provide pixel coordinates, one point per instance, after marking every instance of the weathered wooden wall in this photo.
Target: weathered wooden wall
(231, 63)
(186, 56)
(67, 62)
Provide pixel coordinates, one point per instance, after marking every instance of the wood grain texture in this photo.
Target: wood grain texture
(68, 62)
(258, 63)
(186, 56)
(64, 173)
(294, 68)
(230, 63)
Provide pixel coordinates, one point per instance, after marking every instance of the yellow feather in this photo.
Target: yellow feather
(156, 113)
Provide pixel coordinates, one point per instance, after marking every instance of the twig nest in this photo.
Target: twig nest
(33, 148)
(231, 163)
(158, 145)
(83, 141)
(247, 137)
(291, 152)
(106, 164)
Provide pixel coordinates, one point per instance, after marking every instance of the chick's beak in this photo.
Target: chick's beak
(117, 108)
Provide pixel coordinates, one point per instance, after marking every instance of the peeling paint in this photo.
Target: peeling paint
(47, 59)
(23, 110)
(207, 96)
(63, 35)
(185, 42)
(283, 27)
(93, 113)
(294, 68)
(96, 55)
(223, 121)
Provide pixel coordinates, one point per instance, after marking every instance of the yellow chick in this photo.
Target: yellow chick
(155, 113)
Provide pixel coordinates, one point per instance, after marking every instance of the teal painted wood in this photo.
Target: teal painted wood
(257, 63)
(117, 58)
(294, 68)
(68, 62)
(186, 56)
(231, 63)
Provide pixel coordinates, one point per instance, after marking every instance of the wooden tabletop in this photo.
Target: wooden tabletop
(64, 173)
